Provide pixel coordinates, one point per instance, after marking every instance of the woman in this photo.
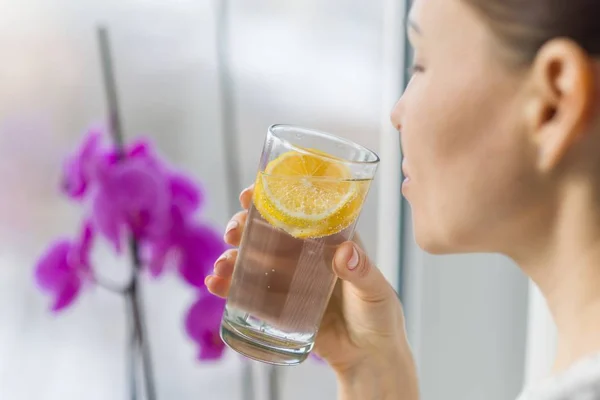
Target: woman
(501, 135)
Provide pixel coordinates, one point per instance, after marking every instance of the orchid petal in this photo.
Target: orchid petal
(52, 269)
(67, 295)
(108, 219)
(199, 250)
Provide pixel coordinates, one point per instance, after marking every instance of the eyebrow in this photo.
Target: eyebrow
(414, 26)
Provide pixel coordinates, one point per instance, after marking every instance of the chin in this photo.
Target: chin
(441, 242)
(432, 246)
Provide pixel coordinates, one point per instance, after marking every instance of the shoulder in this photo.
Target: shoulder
(580, 382)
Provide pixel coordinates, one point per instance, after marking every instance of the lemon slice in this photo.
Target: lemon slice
(308, 195)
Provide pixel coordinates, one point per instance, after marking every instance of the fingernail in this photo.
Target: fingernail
(218, 267)
(231, 226)
(207, 280)
(353, 262)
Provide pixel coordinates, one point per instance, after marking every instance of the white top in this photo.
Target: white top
(580, 382)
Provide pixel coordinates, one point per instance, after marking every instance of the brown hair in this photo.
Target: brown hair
(526, 25)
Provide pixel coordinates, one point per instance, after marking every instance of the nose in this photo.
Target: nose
(396, 115)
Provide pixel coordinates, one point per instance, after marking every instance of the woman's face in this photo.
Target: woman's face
(470, 173)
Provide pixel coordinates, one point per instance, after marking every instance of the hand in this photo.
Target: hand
(363, 326)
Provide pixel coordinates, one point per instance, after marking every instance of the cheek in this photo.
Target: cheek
(436, 129)
(463, 157)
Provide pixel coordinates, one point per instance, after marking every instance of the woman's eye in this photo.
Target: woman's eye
(415, 68)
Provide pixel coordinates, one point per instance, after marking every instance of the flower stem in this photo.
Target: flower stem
(110, 286)
(133, 352)
(138, 321)
(140, 338)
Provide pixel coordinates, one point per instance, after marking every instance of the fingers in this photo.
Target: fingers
(351, 264)
(235, 229)
(224, 264)
(246, 197)
(218, 283)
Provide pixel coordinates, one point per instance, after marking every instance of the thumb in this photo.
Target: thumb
(351, 264)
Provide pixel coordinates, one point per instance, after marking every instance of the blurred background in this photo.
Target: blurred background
(204, 79)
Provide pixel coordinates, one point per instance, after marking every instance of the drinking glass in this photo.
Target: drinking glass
(309, 191)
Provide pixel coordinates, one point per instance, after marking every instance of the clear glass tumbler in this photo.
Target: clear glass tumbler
(308, 194)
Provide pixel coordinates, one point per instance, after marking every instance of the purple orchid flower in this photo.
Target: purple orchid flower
(132, 195)
(63, 269)
(133, 192)
(203, 322)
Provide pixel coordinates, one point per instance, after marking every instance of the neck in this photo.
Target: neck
(566, 268)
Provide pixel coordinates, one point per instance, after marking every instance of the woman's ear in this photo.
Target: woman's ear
(560, 105)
